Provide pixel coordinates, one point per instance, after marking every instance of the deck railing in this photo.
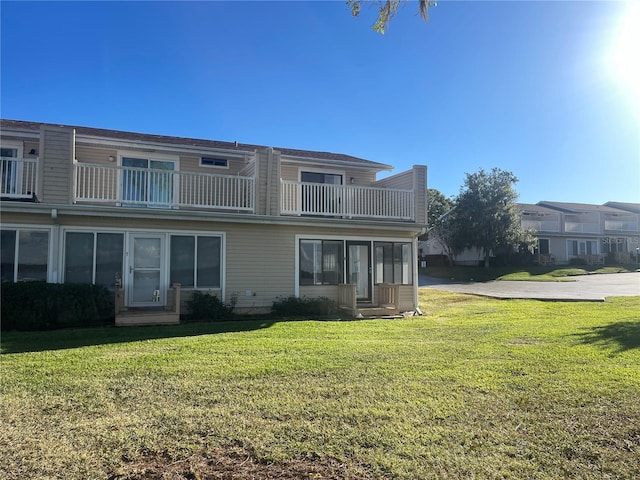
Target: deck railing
(130, 186)
(19, 177)
(348, 201)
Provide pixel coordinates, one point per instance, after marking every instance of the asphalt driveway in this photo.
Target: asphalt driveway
(585, 288)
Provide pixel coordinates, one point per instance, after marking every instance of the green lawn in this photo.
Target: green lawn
(475, 388)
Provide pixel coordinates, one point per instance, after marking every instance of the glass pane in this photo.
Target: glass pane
(146, 286)
(8, 251)
(8, 152)
(33, 252)
(209, 262)
(359, 269)
(183, 254)
(146, 253)
(310, 256)
(78, 258)
(407, 264)
(161, 182)
(134, 182)
(332, 262)
(109, 258)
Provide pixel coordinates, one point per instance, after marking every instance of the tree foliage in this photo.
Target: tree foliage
(387, 10)
(439, 209)
(486, 215)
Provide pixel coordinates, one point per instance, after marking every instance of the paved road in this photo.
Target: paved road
(586, 287)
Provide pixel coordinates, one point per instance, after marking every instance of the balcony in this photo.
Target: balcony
(157, 188)
(621, 225)
(19, 178)
(542, 225)
(578, 227)
(346, 201)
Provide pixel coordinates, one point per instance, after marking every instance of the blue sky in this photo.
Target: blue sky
(522, 86)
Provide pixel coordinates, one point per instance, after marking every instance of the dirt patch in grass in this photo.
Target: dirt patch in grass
(237, 463)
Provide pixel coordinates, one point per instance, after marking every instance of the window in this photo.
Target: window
(321, 262)
(582, 247)
(543, 246)
(25, 254)
(214, 162)
(147, 182)
(325, 196)
(10, 176)
(393, 263)
(195, 261)
(91, 257)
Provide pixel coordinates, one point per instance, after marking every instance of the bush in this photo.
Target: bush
(303, 307)
(203, 306)
(45, 306)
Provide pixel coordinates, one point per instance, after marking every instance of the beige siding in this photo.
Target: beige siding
(291, 172)
(191, 163)
(402, 181)
(99, 156)
(57, 153)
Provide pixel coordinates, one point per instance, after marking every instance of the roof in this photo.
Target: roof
(567, 207)
(629, 207)
(194, 142)
(532, 207)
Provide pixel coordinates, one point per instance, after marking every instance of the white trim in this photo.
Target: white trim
(126, 231)
(18, 145)
(350, 238)
(211, 157)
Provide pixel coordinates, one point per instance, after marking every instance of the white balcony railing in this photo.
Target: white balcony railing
(542, 225)
(19, 177)
(130, 186)
(348, 201)
(620, 226)
(576, 227)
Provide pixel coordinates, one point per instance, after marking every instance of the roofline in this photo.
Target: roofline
(91, 134)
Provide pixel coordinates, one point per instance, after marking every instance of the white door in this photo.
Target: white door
(146, 270)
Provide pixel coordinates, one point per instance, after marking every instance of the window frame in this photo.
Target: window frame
(395, 263)
(94, 263)
(215, 159)
(196, 237)
(146, 203)
(16, 252)
(322, 273)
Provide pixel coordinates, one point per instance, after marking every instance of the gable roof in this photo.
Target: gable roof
(568, 207)
(535, 208)
(196, 142)
(629, 207)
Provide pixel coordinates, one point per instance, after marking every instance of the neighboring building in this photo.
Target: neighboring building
(572, 232)
(240, 221)
(593, 234)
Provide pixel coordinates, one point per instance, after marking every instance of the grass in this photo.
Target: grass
(476, 388)
(530, 273)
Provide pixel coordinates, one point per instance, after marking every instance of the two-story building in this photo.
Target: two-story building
(593, 234)
(140, 213)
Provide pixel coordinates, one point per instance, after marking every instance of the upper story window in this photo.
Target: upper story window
(319, 177)
(147, 182)
(214, 162)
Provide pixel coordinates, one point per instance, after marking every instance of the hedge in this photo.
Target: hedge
(46, 306)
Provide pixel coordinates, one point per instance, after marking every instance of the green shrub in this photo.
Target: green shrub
(303, 307)
(203, 306)
(45, 306)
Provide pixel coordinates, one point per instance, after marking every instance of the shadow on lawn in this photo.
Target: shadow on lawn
(20, 342)
(626, 335)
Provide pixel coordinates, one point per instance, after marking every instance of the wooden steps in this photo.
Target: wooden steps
(146, 317)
